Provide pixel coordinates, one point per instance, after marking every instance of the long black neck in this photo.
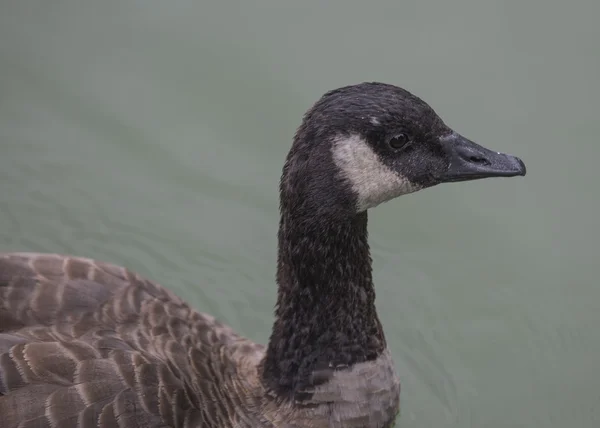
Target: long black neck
(325, 315)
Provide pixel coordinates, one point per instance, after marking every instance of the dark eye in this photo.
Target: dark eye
(399, 141)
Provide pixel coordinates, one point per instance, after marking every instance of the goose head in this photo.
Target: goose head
(380, 141)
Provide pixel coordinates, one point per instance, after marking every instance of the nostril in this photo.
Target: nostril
(479, 160)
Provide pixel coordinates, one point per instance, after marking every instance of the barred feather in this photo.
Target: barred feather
(89, 344)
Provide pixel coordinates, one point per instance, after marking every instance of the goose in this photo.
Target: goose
(84, 343)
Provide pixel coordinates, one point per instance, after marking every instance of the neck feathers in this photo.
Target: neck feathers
(325, 316)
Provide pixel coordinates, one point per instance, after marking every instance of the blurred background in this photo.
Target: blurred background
(152, 134)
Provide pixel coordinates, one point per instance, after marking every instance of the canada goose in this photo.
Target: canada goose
(90, 344)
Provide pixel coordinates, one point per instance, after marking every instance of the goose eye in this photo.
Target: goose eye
(399, 141)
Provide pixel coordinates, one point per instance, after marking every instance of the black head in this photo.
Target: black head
(377, 142)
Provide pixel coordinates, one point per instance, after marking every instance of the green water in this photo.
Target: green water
(152, 134)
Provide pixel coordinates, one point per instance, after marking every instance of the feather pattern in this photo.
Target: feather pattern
(90, 344)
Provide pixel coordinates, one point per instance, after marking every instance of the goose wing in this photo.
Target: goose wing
(90, 344)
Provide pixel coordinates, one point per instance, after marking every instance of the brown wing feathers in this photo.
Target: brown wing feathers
(86, 344)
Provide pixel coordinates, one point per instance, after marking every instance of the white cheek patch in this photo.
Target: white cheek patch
(372, 181)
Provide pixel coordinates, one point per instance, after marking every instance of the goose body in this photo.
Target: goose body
(90, 344)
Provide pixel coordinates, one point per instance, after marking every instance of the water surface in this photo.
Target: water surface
(152, 134)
